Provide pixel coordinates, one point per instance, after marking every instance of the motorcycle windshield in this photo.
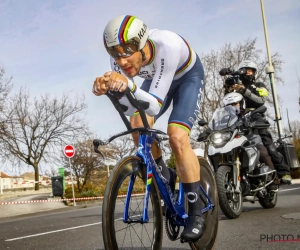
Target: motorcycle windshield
(223, 118)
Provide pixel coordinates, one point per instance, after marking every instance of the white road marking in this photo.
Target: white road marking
(60, 230)
(55, 231)
(288, 189)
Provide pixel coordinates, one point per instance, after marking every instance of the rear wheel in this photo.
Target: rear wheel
(211, 217)
(118, 234)
(230, 202)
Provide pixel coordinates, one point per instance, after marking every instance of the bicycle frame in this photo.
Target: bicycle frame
(176, 207)
(146, 139)
(144, 152)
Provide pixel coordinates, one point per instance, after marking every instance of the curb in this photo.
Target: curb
(13, 195)
(295, 181)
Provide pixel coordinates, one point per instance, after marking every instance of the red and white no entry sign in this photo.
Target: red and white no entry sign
(69, 151)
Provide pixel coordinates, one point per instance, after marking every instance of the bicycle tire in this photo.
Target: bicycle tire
(208, 183)
(123, 169)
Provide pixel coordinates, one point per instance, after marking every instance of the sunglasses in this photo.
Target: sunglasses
(122, 50)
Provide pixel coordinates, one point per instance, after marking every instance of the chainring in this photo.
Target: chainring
(172, 230)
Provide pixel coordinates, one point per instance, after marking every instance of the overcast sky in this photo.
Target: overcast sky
(56, 46)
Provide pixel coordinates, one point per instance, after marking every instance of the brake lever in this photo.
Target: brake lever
(98, 143)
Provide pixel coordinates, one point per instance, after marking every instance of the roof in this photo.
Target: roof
(3, 175)
(28, 175)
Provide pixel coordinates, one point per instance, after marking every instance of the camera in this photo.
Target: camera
(232, 77)
(231, 80)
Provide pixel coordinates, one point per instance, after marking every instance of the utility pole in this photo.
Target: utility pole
(270, 72)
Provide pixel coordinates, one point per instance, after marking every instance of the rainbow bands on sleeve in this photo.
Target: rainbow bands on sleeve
(136, 113)
(152, 51)
(133, 89)
(160, 101)
(188, 60)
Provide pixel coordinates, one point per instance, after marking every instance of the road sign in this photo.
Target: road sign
(69, 151)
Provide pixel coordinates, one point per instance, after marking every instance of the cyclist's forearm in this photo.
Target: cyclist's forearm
(140, 94)
(130, 109)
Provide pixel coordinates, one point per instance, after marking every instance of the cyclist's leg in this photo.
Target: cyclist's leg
(186, 104)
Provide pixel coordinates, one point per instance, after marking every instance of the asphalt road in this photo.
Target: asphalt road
(80, 228)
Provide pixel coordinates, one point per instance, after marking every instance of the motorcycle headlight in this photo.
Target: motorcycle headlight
(219, 139)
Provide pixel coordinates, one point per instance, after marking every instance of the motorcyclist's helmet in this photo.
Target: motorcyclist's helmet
(247, 64)
(236, 100)
(125, 35)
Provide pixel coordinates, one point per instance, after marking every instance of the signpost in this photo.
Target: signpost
(69, 152)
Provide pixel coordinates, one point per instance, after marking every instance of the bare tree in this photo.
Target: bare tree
(50, 172)
(295, 130)
(298, 87)
(38, 127)
(121, 147)
(5, 88)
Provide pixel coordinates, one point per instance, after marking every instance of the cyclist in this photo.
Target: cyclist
(255, 94)
(172, 72)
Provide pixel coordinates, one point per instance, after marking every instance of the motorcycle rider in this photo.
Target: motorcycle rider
(239, 106)
(255, 95)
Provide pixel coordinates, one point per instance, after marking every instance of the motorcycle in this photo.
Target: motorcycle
(232, 150)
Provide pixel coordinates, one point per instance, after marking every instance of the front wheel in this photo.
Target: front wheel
(230, 202)
(132, 234)
(211, 217)
(269, 202)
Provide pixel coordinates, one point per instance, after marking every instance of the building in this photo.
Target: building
(26, 180)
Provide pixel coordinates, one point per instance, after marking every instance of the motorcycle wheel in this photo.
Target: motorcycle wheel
(230, 202)
(268, 203)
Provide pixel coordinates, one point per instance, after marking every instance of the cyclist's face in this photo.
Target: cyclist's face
(131, 65)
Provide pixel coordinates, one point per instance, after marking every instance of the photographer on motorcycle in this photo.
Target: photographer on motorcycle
(255, 94)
